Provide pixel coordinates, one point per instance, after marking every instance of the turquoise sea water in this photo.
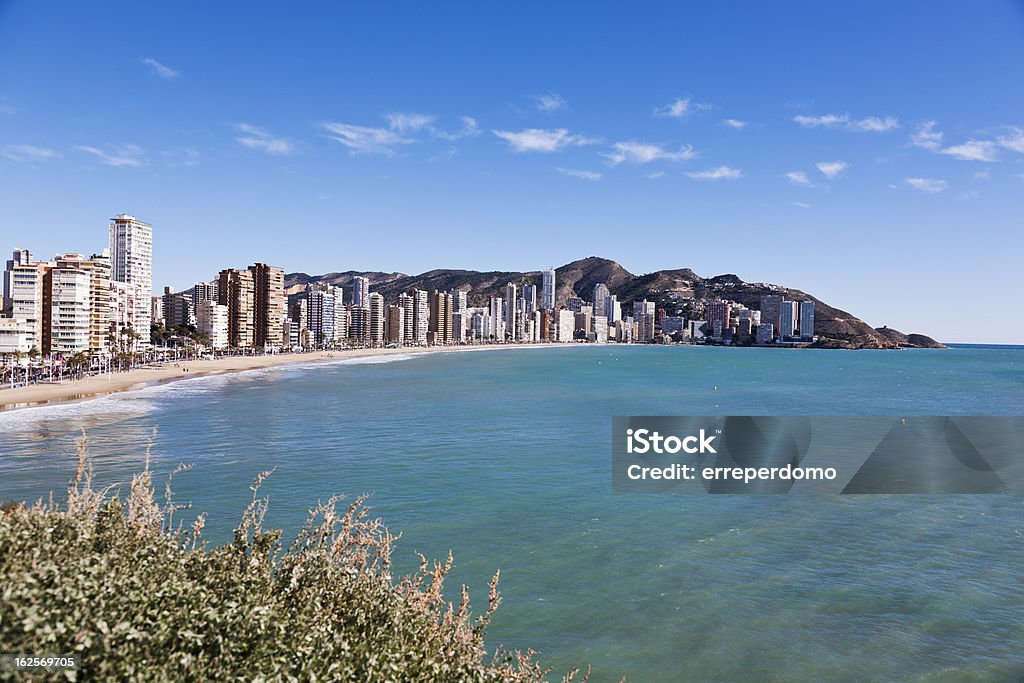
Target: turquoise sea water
(504, 458)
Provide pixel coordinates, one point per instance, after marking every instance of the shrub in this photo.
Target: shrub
(135, 597)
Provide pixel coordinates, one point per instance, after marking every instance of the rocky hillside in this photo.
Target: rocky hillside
(679, 292)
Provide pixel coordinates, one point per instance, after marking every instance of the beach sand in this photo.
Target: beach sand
(100, 385)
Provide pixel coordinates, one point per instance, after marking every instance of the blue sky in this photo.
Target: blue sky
(870, 153)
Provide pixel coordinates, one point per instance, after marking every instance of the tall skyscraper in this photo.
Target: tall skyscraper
(320, 310)
(204, 291)
(131, 261)
(497, 320)
(23, 295)
(359, 324)
(235, 290)
(420, 317)
(377, 319)
(408, 304)
(460, 301)
(806, 320)
(548, 289)
(98, 270)
(65, 311)
(212, 321)
(268, 304)
(360, 291)
(601, 295)
(771, 311)
(788, 312)
(395, 330)
(511, 314)
(717, 312)
(440, 317)
(530, 297)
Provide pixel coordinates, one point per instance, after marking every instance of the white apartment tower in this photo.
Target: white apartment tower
(131, 261)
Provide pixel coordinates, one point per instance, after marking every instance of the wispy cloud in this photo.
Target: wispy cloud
(257, 138)
(1013, 140)
(799, 178)
(929, 185)
(586, 175)
(680, 108)
(832, 169)
(542, 140)
(735, 123)
(801, 205)
(366, 139)
(926, 137)
(468, 129)
(972, 150)
(549, 102)
(654, 175)
(29, 153)
(868, 124)
(161, 70)
(409, 123)
(181, 157)
(720, 173)
(117, 155)
(634, 152)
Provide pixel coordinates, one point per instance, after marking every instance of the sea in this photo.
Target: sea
(503, 458)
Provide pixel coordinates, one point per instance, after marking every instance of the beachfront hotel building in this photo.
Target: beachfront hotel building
(23, 298)
(360, 291)
(440, 326)
(420, 317)
(510, 311)
(395, 328)
(212, 322)
(378, 316)
(807, 321)
(268, 305)
(236, 291)
(131, 261)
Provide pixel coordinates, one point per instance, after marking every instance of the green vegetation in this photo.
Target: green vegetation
(137, 598)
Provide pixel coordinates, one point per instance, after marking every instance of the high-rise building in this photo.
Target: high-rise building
(377, 319)
(123, 305)
(788, 312)
(360, 291)
(98, 269)
(235, 290)
(395, 330)
(511, 328)
(408, 304)
(460, 301)
(806, 320)
(23, 295)
(600, 299)
(771, 311)
(65, 311)
(320, 310)
(574, 304)
(530, 297)
(547, 296)
(177, 309)
(359, 324)
(497, 319)
(566, 325)
(717, 311)
(212, 322)
(613, 309)
(268, 304)
(204, 291)
(440, 317)
(420, 317)
(131, 261)
(341, 317)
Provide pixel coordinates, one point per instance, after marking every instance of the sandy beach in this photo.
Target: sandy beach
(100, 385)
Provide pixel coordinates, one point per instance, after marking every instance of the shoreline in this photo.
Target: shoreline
(96, 386)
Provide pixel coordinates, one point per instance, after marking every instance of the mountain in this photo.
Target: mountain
(679, 292)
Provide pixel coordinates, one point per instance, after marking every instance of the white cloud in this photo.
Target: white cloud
(29, 153)
(159, 69)
(366, 139)
(680, 108)
(972, 150)
(832, 169)
(799, 178)
(586, 175)
(181, 157)
(926, 137)
(541, 139)
(405, 123)
(259, 139)
(551, 101)
(801, 205)
(117, 155)
(929, 185)
(735, 123)
(869, 124)
(634, 152)
(469, 129)
(654, 175)
(720, 173)
(981, 175)
(1014, 140)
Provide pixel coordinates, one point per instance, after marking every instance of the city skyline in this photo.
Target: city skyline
(737, 138)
